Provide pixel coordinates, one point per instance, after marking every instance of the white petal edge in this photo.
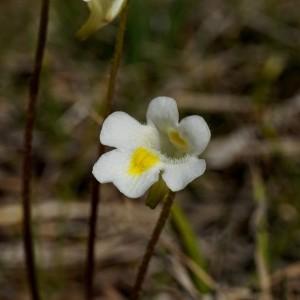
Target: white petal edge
(109, 165)
(113, 167)
(121, 131)
(179, 174)
(115, 9)
(197, 133)
(163, 113)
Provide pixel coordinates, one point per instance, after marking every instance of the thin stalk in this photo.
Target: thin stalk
(96, 187)
(27, 156)
(166, 210)
(116, 59)
(90, 259)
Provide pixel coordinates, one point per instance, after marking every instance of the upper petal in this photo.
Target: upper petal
(114, 166)
(163, 113)
(179, 174)
(195, 130)
(120, 130)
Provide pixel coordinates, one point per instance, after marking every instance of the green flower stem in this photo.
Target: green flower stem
(27, 156)
(156, 194)
(166, 210)
(261, 234)
(116, 59)
(95, 191)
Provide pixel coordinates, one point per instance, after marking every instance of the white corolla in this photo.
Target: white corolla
(164, 146)
(102, 12)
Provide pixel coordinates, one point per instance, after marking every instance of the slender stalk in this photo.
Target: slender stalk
(90, 259)
(151, 245)
(27, 156)
(116, 59)
(96, 188)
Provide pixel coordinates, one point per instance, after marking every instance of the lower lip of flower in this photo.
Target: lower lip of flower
(141, 161)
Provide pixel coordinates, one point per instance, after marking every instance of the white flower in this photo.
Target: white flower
(163, 146)
(102, 12)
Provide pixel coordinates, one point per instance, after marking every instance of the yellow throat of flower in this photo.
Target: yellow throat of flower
(177, 140)
(141, 161)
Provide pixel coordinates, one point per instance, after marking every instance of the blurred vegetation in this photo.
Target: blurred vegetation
(237, 63)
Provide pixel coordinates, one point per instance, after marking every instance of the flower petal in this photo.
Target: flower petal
(101, 13)
(197, 133)
(115, 8)
(179, 174)
(108, 166)
(113, 167)
(95, 21)
(121, 131)
(163, 113)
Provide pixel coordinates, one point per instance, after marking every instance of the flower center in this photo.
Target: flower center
(177, 140)
(141, 161)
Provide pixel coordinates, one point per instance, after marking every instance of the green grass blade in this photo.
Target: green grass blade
(190, 245)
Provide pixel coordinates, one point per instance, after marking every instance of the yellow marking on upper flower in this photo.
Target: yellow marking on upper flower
(141, 161)
(177, 140)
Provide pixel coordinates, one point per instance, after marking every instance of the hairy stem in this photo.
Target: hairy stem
(96, 188)
(27, 156)
(151, 245)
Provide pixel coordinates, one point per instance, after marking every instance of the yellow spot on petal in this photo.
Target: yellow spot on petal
(141, 161)
(177, 140)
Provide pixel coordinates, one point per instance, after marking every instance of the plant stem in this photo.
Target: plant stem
(116, 59)
(151, 245)
(90, 262)
(96, 188)
(27, 156)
